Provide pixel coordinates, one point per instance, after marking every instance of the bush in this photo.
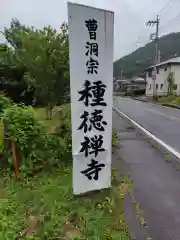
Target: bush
(5, 102)
(64, 129)
(32, 145)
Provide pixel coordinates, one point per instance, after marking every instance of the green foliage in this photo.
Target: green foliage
(5, 102)
(135, 63)
(176, 100)
(33, 146)
(172, 99)
(44, 207)
(44, 53)
(35, 62)
(166, 99)
(114, 138)
(11, 76)
(15, 33)
(64, 128)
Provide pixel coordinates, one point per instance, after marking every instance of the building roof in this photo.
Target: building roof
(122, 81)
(170, 61)
(139, 79)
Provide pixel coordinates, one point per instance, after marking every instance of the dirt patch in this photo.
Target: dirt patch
(70, 232)
(32, 224)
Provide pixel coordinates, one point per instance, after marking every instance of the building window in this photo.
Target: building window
(156, 86)
(175, 87)
(149, 86)
(165, 69)
(157, 69)
(161, 86)
(149, 73)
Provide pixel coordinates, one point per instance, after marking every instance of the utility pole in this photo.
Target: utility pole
(159, 56)
(155, 37)
(121, 74)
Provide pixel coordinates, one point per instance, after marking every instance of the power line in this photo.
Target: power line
(160, 12)
(164, 7)
(140, 38)
(171, 22)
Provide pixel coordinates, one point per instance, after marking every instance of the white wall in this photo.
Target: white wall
(149, 85)
(176, 70)
(161, 81)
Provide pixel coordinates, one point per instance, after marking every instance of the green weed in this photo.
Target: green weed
(43, 207)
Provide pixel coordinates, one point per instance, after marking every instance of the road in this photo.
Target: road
(155, 184)
(161, 121)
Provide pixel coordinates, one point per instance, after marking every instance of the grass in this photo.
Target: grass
(169, 99)
(1, 136)
(115, 139)
(49, 124)
(44, 207)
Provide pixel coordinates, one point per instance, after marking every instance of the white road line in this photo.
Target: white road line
(174, 118)
(163, 144)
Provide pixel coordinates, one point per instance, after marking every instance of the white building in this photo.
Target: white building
(161, 84)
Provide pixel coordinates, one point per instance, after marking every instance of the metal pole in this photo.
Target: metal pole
(152, 23)
(121, 74)
(156, 58)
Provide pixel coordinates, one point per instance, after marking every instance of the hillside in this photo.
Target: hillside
(135, 63)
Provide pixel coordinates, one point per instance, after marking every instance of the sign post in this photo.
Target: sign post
(91, 75)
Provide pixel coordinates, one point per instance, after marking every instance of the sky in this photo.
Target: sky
(131, 16)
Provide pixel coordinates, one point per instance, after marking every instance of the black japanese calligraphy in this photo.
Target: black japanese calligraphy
(95, 120)
(86, 145)
(92, 48)
(98, 91)
(84, 125)
(93, 94)
(92, 66)
(92, 27)
(92, 145)
(93, 169)
(85, 93)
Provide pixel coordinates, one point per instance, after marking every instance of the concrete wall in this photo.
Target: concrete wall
(176, 70)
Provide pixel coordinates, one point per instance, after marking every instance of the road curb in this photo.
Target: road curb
(161, 104)
(170, 105)
(141, 100)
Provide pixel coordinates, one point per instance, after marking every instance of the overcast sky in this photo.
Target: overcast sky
(130, 17)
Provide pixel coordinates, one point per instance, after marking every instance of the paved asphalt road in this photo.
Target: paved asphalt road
(155, 184)
(161, 121)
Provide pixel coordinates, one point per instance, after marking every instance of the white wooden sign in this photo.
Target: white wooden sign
(91, 73)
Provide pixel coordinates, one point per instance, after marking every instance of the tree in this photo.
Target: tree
(43, 57)
(11, 77)
(14, 34)
(44, 54)
(138, 61)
